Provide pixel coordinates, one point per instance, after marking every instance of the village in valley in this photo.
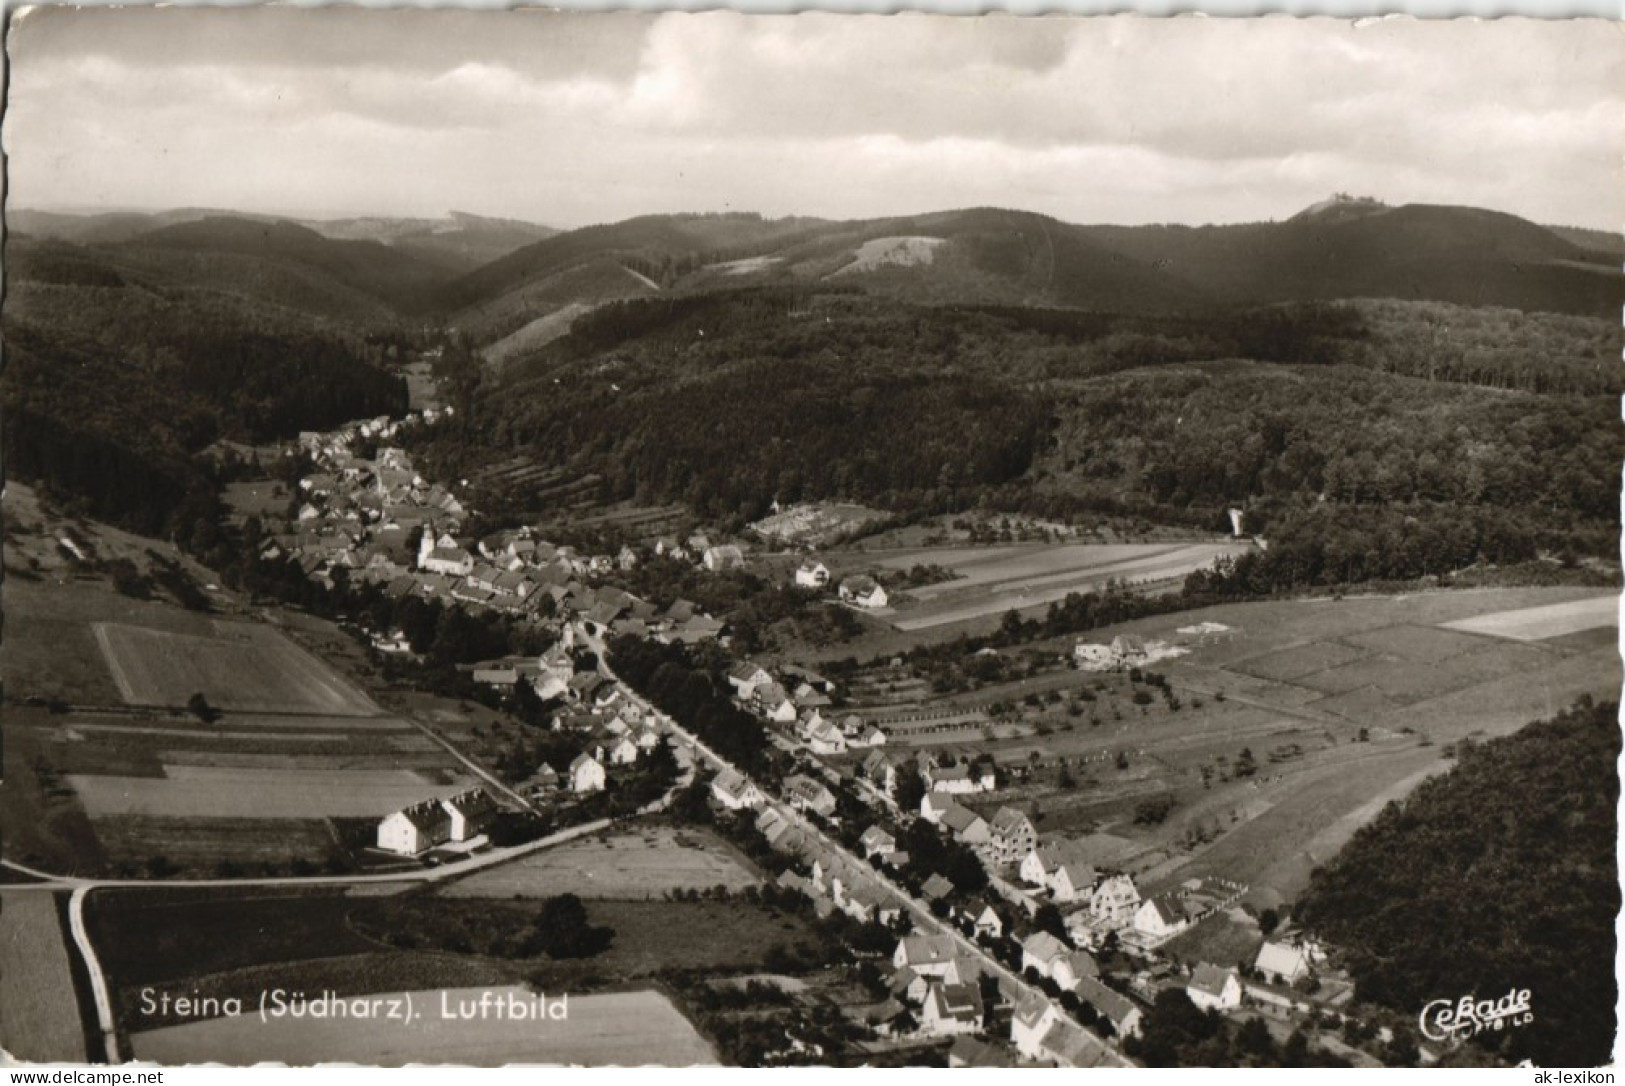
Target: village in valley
(843, 571)
(989, 942)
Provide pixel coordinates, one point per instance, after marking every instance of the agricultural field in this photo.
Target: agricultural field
(1544, 623)
(39, 1010)
(240, 667)
(1280, 734)
(99, 785)
(191, 791)
(645, 864)
(636, 1028)
(993, 580)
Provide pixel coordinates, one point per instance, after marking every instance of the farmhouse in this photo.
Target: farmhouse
(1032, 1020)
(745, 677)
(876, 840)
(1212, 988)
(1123, 1013)
(927, 955)
(1282, 962)
(826, 738)
(413, 829)
(960, 779)
(951, 1009)
(933, 805)
(1072, 881)
(727, 556)
(968, 827)
(471, 813)
(1161, 917)
(734, 791)
(1129, 649)
(452, 561)
(812, 574)
(1041, 951)
(864, 591)
(586, 775)
(881, 771)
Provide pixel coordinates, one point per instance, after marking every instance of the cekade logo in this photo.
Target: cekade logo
(1442, 1019)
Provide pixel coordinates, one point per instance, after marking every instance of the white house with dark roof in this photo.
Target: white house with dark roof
(734, 791)
(1032, 1019)
(1282, 962)
(745, 677)
(950, 1009)
(415, 828)
(1212, 988)
(927, 955)
(864, 591)
(471, 813)
(812, 574)
(1161, 917)
(876, 841)
(1123, 1013)
(586, 774)
(1041, 951)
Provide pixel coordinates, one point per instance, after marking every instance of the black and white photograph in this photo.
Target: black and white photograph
(659, 539)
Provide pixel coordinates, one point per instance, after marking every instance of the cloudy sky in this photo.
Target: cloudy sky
(579, 118)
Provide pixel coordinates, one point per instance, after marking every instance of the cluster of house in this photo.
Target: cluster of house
(362, 515)
(1278, 965)
(946, 983)
(798, 697)
(858, 589)
(419, 827)
(698, 549)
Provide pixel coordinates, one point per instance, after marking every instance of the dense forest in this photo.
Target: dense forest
(112, 387)
(1366, 440)
(1500, 875)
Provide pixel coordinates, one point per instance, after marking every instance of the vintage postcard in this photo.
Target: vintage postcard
(708, 539)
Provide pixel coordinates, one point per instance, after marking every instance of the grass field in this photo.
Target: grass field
(197, 845)
(1343, 704)
(220, 792)
(1541, 623)
(640, 865)
(39, 1011)
(242, 667)
(993, 580)
(637, 1028)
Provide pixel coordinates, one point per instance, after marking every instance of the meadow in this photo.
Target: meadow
(640, 865)
(240, 667)
(39, 1010)
(992, 580)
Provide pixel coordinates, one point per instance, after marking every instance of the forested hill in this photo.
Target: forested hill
(1338, 250)
(1371, 440)
(1500, 875)
(116, 377)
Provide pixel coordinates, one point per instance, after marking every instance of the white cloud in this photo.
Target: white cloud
(574, 119)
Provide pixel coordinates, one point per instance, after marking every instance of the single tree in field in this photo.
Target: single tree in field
(199, 706)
